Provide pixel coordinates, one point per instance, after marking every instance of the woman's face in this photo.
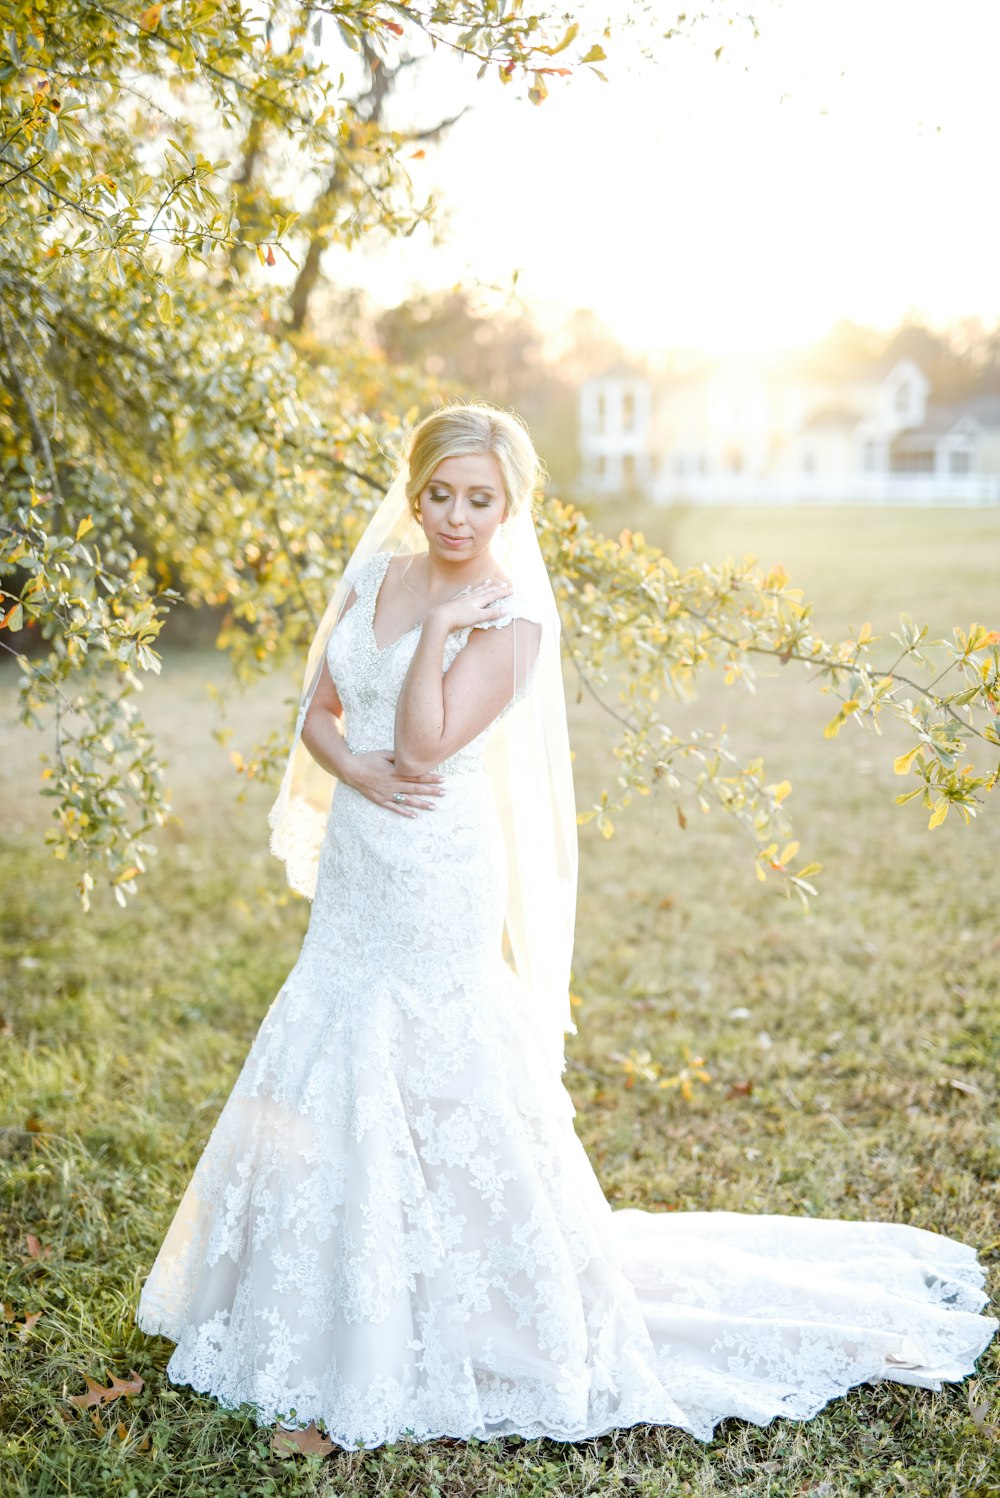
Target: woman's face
(462, 505)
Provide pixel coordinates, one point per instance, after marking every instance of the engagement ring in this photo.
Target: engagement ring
(398, 796)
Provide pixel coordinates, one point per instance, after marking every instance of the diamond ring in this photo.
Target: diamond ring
(398, 796)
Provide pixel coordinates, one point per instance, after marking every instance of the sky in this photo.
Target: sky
(842, 163)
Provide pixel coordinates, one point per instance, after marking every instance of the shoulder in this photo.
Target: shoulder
(517, 635)
(370, 571)
(516, 606)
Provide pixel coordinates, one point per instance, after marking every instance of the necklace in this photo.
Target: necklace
(423, 610)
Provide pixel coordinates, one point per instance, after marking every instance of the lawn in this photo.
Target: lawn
(853, 1053)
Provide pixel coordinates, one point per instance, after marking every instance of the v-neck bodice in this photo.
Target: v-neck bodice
(375, 590)
(369, 677)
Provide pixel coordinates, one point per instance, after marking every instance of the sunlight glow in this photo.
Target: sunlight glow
(836, 165)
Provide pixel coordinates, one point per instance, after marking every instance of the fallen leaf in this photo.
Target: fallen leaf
(35, 1249)
(308, 1442)
(26, 1325)
(979, 1409)
(969, 1088)
(97, 1395)
(740, 1089)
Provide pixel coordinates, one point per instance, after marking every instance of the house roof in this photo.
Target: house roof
(620, 369)
(985, 408)
(940, 418)
(831, 418)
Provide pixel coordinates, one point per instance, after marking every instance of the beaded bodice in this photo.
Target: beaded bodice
(369, 678)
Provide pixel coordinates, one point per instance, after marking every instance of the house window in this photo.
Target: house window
(602, 465)
(902, 397)
(628, 411)
(959, 462)
(868, 457)
(600, 411)
(808, 462)
(914, 460)
(628, 468)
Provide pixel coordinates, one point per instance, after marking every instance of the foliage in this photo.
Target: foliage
(159, 437)
(169, 430)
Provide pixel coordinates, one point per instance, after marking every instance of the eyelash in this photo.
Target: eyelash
(480, 504)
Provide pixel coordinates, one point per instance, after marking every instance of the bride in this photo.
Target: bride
(393, 1230)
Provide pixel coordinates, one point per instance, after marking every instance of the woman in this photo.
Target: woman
(393, 1229)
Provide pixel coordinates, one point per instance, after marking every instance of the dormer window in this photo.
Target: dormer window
(903, 397)
(600, 411)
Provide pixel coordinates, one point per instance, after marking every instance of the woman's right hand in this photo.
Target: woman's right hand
(374, 775)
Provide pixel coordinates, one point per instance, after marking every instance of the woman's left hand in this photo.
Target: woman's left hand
(473, 605)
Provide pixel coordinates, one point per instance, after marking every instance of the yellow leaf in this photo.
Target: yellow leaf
(903, 763)
(758, 870)
(150, 18)
(782, 790)
(810, 868)
(834, 726)
(570, 35)
(939, 813)
(789, 851)
(86, 524)
(607, 827)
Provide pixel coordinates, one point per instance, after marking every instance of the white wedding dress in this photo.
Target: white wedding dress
(394, 1230)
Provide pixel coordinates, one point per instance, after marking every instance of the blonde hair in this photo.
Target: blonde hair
(457, 430)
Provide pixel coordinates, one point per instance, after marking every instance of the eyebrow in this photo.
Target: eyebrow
(476, 488)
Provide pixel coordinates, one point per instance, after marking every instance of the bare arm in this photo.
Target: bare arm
(440, 712)
(376, 774)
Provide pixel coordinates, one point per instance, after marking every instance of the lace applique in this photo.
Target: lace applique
(394, 1230)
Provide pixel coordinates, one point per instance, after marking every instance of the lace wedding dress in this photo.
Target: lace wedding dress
(395, 1231)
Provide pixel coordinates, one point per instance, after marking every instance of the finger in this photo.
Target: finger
(398, 806)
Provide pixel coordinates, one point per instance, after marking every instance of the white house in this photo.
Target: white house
(743, 432)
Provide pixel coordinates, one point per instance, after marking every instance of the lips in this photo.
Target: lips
(452, 540)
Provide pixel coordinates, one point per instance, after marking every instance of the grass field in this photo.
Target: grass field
(853, 1051)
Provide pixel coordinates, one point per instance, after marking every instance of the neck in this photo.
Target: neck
(443, 576)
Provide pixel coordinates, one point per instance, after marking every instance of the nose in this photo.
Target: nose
(455, 513)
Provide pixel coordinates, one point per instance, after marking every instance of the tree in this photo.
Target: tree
(467, 347)
(168, 430)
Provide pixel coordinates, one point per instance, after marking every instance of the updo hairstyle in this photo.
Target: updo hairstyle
(457, 430)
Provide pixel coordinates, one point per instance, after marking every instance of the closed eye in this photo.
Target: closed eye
(482, 502)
